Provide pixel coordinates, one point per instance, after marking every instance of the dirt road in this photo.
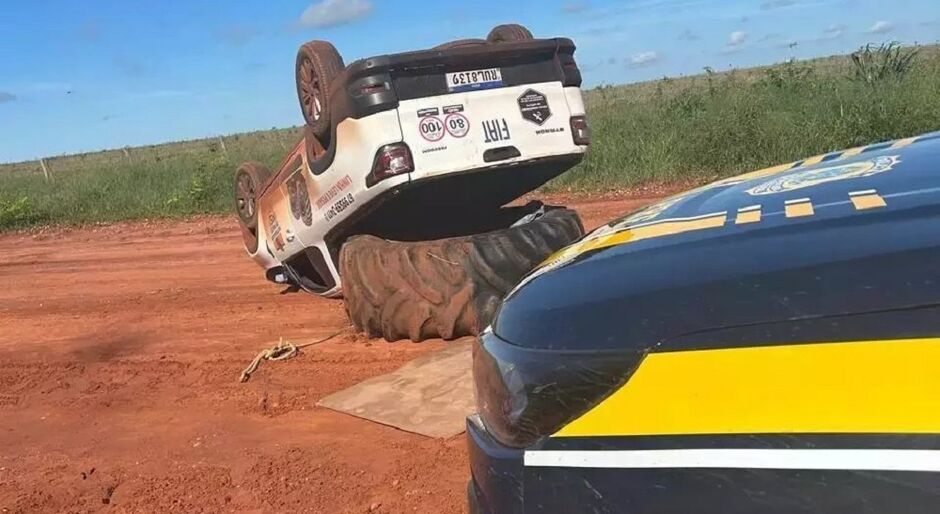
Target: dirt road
(120, 347)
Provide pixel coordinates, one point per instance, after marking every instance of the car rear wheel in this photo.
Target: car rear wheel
(508, 33)
(312, 145)
(447, 288)
(318, 63)
(250, 179)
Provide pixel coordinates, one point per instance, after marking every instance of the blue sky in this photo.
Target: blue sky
(81, 75)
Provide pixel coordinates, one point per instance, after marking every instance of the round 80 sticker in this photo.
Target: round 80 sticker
(457, 124)
(431, 128)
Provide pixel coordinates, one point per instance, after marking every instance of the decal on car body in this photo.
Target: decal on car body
(431, 128)
(434, 149)
(299, 196)
(534, 107)
(341, 205)
(274, 229)
(867, 199)
(809, 178)
(457, 125)
(676, 392)
(496, 130)
(334, 190)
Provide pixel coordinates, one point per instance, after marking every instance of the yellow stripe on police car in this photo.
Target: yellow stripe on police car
(888, 386)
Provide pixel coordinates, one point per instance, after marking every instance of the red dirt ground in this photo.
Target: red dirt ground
(120, 348)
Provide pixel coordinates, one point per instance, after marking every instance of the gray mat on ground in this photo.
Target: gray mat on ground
(431, 395)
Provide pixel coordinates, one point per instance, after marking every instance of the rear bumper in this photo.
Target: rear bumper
(497, 183)
(407, 206)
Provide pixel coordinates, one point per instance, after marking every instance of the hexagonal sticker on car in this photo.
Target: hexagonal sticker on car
(534, 107)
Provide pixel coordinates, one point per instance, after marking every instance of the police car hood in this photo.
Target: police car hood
(836, 234)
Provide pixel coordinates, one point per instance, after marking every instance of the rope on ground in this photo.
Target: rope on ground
(282, 351)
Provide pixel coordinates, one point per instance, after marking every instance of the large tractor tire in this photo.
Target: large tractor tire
(460, 43)
(509, 33)
(250, 180)
(447, 288)
(318, 63)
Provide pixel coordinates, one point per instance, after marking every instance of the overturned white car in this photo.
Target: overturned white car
(396, 196)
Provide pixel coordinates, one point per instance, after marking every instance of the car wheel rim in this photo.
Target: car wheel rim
(246, 197)
(310, 94)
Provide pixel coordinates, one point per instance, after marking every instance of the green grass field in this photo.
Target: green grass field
(686, 130)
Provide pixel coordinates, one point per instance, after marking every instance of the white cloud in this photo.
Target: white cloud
(638, 60)
(881, 27)
(737, 38)
(833, 32)
(330, 13)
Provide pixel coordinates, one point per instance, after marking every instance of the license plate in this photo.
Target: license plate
(474, 79)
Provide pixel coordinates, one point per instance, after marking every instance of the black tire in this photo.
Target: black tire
(250, 237)
(447, 288)
(250, 180)
(460, 43)
(318, 63)
(508, 33)
(312, 145)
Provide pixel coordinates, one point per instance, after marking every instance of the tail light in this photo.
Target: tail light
(580, 130)
(525, 394)
(391, 160)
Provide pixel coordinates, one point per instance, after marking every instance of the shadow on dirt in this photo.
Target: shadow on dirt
(108, 346)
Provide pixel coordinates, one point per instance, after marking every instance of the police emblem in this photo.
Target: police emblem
(810, 178)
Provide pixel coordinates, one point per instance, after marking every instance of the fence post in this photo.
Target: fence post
(126, 153)
(222, 144)
(45, 170)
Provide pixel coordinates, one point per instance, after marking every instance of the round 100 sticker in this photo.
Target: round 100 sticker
(431, 128)
(457, 125)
